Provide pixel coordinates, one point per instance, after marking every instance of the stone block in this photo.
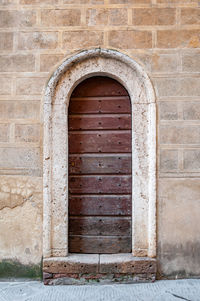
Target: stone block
(74, 263)
(153, 16)
(37, 40)
(129, 1)
(13, 18)
(80, 39)
(177, 2)
(130, 39)
(126, 264)
(6, 40)
(191, 160)
(20, 110)
(20, 157)
(106, 17)
(191, 62)
(191, 110)
(4, 132)
(8, 2)
(47, 61)
(30, 86)
(186, 86)
(168, 110)
(17, 63)
(164, 63)
(27, 132)
(5, 86)
(190, 16)
(178, 38)
(168, 160)
(43, 2)
(179, 134)
(62, 17)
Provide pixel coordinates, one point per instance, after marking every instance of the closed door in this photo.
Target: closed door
(100, 167)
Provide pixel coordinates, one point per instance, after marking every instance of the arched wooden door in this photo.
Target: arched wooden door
(100, 167)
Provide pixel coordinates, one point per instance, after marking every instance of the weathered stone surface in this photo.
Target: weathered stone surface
(191, 62)
(190, 16)
(191, 160)
(38, 40)
(47, 61)
(17, 62)
(22, 213)
(191, 110)
(32, 2)
(168, 160)
(16, 190)
(13, 18)
(153, 16)
(130, 39)
(75, 263)
(5, 86)
(27, 132)
(126, 264)
(177, 134)
(4, 132)
(82, 39)
(6, 41)
(178, 86)
(8, 2)
(20, 110)
(80, 279)
(178, 220)
(178, 38)
(168, 110)
(175, 2)
(130, 1)
(164, 63)
(30, 86)
(20, 157)
(63, 17)
(106, 17)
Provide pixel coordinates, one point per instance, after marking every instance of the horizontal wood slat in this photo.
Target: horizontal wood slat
(94, 106)
(100, 205)
(100, 244)
(106, 226)
(100, 184)
(97, 122)
(99, 86)
(104, 142)
(80, 164)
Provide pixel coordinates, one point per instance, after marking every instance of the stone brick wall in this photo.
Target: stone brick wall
(164, 37)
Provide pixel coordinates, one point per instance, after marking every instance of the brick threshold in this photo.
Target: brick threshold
(98, 268)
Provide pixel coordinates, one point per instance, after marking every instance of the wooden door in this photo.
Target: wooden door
(100, 167)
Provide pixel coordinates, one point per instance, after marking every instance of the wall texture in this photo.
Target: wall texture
(164, 37)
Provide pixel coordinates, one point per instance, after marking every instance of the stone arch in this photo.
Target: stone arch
(55, 183)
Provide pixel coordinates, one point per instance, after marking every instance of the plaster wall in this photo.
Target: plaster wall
(163, 36)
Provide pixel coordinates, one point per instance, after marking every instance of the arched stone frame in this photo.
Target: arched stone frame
(55, 174)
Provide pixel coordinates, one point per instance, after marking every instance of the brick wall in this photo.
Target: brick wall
(164, 37)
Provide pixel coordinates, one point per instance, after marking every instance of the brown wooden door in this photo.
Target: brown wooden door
(100, 167)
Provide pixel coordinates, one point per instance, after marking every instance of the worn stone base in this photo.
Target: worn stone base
(95, 268)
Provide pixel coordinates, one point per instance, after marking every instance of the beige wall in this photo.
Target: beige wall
(164, 37)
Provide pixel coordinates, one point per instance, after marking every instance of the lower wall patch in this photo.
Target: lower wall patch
(14, 269)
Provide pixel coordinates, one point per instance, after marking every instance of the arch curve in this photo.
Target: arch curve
(66, 77)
